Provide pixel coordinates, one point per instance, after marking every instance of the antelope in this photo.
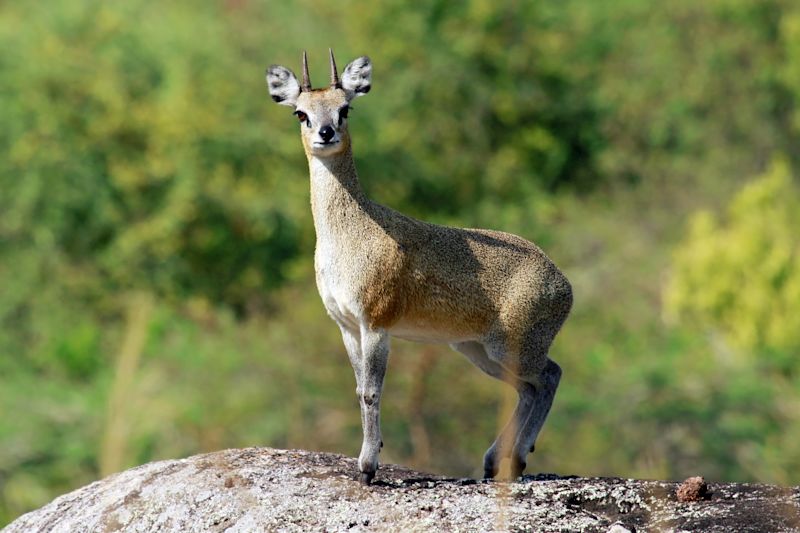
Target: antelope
(493, 296)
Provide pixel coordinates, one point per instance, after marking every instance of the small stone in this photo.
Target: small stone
(693, 489)
(619, 527)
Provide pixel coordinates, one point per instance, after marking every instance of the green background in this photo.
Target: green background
(156, 278)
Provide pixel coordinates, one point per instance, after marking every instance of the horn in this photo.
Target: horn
(306, 80)
(334, 75)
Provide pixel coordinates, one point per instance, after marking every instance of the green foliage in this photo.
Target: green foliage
(741, 276)
(695, 88)
(505, 91)
(738, 278)
(132, 154)
(142, 155)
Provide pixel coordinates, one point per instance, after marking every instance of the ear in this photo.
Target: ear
(283, 86)
(357, 77)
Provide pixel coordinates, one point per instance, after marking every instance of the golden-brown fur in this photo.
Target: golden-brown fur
(493, 296)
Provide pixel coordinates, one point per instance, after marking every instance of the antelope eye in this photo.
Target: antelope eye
(343, 114)
(302, 117)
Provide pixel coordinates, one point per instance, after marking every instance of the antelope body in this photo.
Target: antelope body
(492, 296)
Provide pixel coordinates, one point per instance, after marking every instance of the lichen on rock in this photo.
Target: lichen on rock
(264, 489)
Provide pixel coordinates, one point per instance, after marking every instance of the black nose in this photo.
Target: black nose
(327, 133)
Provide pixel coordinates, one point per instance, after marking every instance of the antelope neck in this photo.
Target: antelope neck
(335, 189)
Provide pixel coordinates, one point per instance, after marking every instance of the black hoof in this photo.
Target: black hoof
(366, 478)
(517, 468)
(490, 470)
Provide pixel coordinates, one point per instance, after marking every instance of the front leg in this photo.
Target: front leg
(352, 343)
(375, 355)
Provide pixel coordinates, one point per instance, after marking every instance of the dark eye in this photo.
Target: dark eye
(343, 114)
(302, 117)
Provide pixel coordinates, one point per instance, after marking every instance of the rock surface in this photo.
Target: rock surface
(262, 489)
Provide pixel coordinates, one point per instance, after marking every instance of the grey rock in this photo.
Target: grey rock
(263, 489)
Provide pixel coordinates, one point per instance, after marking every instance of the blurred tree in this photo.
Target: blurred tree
(738, 277)
(789, 72)
(131, 157)
(707, 81)
(489, 101)
(741, 277)
(132, 162)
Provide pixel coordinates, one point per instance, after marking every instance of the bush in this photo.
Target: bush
(740, 276)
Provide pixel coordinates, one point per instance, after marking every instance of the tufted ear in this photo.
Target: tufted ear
(357, 77)
(283, 86)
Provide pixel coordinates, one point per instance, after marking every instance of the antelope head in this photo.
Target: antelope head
(322, 112)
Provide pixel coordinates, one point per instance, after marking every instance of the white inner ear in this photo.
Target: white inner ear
(283, 86)
(357, 77)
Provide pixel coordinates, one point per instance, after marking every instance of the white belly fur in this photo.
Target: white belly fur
(421, 333)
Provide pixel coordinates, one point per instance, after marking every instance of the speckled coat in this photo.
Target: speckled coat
(426, 282)
(492, 296)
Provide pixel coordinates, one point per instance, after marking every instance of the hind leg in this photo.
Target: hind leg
(531, 421)
(536, 393)
(517, 438)
(524, 355)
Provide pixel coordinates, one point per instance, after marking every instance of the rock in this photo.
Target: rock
(262, 489)
(693, 489)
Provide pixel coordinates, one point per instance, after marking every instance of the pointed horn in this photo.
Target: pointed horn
(306, 79)
(334, 75)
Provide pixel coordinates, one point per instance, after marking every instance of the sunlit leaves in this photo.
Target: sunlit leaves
(741, 275)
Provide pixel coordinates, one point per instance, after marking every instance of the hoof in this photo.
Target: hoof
(366, 478)
(490, 469)
(517, 468)
(509, 469)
